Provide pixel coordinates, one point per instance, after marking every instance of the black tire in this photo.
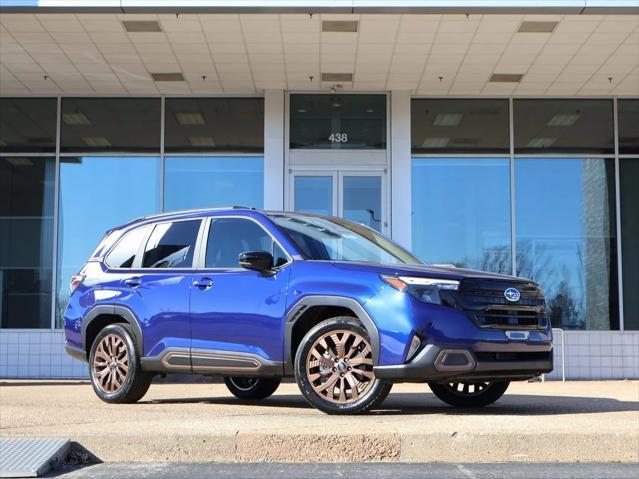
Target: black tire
(136, 382)
(376, 389)
(252, 388)
(483, 394)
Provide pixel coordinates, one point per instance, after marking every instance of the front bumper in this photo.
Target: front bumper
(445, 362)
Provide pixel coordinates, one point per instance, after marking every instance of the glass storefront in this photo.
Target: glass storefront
(27, 208)
(208, 181)
(90, 204)
(566, 237)
(461, 212)
(26, 241)
(558, 187)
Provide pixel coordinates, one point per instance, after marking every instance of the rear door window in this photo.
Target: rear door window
(123, 255)
(171, 245)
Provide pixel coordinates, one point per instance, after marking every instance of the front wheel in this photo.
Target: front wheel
(469, 394)
(334, 368)
(251, 388)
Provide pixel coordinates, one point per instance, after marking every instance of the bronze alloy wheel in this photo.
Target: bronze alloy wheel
(339, 366)
(111, 363)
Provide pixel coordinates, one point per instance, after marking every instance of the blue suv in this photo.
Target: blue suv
(257, 296)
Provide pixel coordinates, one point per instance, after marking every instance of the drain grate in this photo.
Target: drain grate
(30, 457)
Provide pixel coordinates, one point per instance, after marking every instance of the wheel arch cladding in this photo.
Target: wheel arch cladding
(103, 315)
(311, 310)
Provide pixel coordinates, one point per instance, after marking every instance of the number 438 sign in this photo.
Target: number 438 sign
(338, 137)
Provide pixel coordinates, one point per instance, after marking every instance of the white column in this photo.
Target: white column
(400, 168)
(274, 149)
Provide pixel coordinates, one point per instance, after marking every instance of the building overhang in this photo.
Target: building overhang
(326, 6)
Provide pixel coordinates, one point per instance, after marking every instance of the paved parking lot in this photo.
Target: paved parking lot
(533, 422)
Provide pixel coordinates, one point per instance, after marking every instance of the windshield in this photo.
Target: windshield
(334, 239)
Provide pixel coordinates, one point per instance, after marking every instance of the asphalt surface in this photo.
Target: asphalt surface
(200, 423)
(367, 470)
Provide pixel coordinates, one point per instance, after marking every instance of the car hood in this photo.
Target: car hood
(441, 272)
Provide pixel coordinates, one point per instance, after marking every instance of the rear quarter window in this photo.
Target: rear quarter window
(123, 255)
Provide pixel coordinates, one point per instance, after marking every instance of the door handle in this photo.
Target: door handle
(134, 282)
(204, 283)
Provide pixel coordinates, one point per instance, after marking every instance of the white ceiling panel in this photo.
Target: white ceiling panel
(240, 53)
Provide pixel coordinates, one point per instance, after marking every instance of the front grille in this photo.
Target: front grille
(484, 301)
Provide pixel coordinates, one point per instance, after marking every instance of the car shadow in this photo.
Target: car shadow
(426, 403)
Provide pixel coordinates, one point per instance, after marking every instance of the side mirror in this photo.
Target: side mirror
(256, 260)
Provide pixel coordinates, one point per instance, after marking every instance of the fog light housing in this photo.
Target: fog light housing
(414, 346)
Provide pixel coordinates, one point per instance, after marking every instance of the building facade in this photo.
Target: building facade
(503, 138)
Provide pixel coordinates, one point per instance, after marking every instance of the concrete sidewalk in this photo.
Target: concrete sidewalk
(533, 422)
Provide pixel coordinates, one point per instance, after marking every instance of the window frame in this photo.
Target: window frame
(201, 252)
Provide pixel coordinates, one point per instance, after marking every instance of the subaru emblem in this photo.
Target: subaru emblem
(512, 294)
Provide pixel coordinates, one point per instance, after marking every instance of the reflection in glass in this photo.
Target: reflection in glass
(461, 212)
(171, 245)
(28, 125)
(313, 194)
(629, 191)
(363, 200)
(204, 182)
(123, 255)
(459, 126)
(338, 122)
(563, 126)
(628, 113)
(26, 238)
(566, 238)
(98, 193)
(214, 124)
(110, 124)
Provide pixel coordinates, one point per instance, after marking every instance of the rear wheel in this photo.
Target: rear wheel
(334, 368)
(469, 394)
(114, 366)
(252, 388)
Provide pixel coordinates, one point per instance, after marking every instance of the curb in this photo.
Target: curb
(310, 448)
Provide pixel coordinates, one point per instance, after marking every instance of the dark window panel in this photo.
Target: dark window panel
(629, 179)
(338, 122)
(229, 237)
(129, 125)
(26, 239)
(567, 238)
(459, 126)
(564, 126)
(628, 118)
(214, 124)
(28, 125)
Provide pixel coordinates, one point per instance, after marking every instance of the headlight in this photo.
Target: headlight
(424, 289)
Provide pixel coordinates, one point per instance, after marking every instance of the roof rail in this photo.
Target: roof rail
(193, 210)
